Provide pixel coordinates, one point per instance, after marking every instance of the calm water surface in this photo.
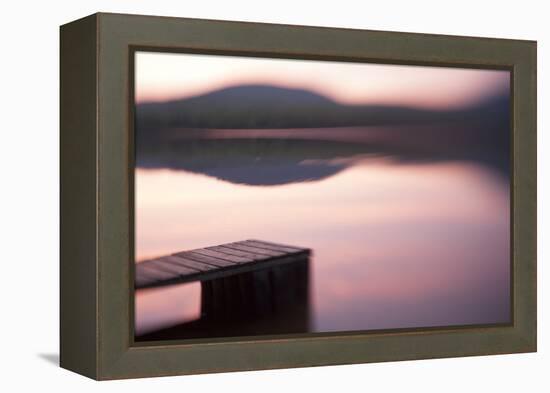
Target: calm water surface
(395, 244)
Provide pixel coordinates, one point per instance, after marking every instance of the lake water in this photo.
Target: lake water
(396, 244)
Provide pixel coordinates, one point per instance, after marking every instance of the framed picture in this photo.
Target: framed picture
(241, 196)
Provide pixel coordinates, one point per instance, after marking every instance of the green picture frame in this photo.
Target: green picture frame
(96, 142)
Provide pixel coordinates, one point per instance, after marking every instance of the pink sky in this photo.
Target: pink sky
(165, 76)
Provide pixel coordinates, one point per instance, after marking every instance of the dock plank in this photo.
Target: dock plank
(200, 266)
(261, 251)
(223, 256)
(153, 272)
(273, 247)
(177, 269)
(232, 251)
(215, 262)
(143, 280)
(206, 259)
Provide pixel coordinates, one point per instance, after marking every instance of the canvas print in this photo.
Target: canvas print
(286, 196)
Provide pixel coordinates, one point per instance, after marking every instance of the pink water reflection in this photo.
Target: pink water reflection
(395, 245)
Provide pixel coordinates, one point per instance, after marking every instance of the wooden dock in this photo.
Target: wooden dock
(215, 262)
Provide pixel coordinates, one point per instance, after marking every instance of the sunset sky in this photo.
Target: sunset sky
(166, 76)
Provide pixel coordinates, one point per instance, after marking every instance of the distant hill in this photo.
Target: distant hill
(296, 135)
(264, 106)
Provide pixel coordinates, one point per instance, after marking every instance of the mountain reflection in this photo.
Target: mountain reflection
(289, 148)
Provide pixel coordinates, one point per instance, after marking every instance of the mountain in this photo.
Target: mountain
(266, 135)
(244, 95)
(265, 106)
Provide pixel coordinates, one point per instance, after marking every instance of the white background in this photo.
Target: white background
(29, 194)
